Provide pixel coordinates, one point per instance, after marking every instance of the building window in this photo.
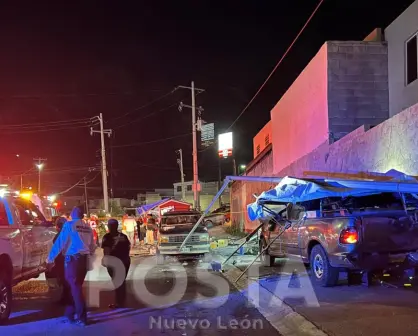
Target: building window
(178, 188)
(258, 149)
(411, 60)
(267, 140)
(189, 187)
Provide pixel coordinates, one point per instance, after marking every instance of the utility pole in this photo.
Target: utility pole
(220, 180)
(235, 166)
(104, 170)
(196, 126)
(180, 162)
(39, 165)
(85, 196)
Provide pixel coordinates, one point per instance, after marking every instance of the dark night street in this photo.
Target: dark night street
(35, 315)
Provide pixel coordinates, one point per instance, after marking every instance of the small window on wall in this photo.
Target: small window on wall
(179, 189)
(267, 140)
(411, 60)
(258, 149)
(189, 187)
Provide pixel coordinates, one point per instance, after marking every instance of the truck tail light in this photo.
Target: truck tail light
(349, 236)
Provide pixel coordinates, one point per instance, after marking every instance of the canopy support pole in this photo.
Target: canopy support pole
(247, 238)
(226, 182)
(288, 225)
(206, 211)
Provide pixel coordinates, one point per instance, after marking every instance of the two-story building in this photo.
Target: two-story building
(207, 193)
(353, 108)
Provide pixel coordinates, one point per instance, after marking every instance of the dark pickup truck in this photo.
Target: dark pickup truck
(370, 233)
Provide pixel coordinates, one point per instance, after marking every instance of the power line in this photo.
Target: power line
(50, 123)
(143, 106)
(153, 113)
(76, 95)
(278, 64)
(91, 180)
(25, 131)
(146, 116)
(153, 141)
(53, 171)
(73, 186)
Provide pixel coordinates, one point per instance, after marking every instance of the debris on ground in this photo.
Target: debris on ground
(142, 250)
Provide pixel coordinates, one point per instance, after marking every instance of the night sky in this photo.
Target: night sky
(63, 62)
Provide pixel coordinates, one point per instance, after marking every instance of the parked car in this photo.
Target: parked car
(173, 230)
(368, 233)
(219, 216)
(25, 240)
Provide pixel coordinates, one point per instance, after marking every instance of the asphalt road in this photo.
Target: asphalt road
(383, 309)
(224, 312)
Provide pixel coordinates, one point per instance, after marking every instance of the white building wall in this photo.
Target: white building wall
(401, 96)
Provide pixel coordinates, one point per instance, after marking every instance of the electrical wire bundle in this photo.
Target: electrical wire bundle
(48, 126)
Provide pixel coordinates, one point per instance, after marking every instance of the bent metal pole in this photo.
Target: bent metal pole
(221, 190)
(206, 212)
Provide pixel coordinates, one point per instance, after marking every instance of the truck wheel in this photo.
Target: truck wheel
(321, 271)
(5, 298)
(266, 259)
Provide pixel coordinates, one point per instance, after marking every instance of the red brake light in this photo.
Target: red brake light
(349, 236)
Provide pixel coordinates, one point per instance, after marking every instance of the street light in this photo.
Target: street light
(242, 168)
(39, 166)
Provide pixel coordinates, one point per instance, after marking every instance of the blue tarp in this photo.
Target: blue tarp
(292, 190)
(145, 208)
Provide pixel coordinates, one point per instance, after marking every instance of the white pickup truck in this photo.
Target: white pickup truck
(25, 240)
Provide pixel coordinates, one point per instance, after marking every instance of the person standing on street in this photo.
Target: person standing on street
(59, 265)
(76, 243)
(139, 230)
(150, 231)
(94, 227)
(117, 245)
(130, 225)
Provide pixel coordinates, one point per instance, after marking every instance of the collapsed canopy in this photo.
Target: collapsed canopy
(145, 208)
(293, 190)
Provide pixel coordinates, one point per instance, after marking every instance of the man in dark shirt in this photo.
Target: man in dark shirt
(117, 245)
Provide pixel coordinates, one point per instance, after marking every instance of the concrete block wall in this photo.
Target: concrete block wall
(259, 141)
(357, 86)
(391, 145)
(242, 192)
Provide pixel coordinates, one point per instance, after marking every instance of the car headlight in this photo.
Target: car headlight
(164, 239)
(204, 238)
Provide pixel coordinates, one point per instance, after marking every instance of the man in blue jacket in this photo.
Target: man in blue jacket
(76, 243)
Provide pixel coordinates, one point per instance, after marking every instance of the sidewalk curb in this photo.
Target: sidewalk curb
(280, 315)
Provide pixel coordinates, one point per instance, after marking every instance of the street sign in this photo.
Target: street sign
(225, 145)
(207, 134)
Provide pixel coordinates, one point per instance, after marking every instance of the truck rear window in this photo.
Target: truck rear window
(379, 201)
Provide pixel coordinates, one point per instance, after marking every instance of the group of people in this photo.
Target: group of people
(70, 256)
(143, 229)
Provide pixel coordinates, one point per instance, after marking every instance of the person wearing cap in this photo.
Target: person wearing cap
(117, 245)
(76, 244)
